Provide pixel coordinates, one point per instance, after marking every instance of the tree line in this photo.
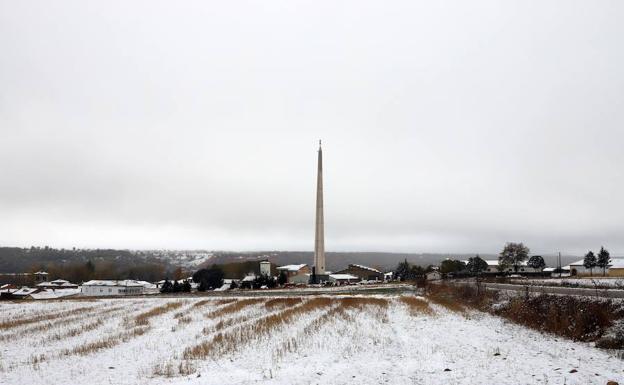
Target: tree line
(213, 277)
(513, 255)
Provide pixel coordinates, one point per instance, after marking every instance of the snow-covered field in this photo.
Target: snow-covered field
(307, 340)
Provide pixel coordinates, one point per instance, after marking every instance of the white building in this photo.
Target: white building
(111, 287)
(40, 276)
(296, 274)
(265, 268)
(433, 275)
(56, 293)
(57, 284)
(522, 268)
(614, 268)
(340, 279)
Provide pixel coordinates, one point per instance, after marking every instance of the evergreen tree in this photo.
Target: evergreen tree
(590, 262)
(282, 279)
(451, 266)
(166, 287)
(416, 272)
(603, 260)
(176, 287)
(210, 278)
(476, 265)
(264, 280)
(402, 271)
(186, 286)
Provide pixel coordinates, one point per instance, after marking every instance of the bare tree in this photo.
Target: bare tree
(513, 255)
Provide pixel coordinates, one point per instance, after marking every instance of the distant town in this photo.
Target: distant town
(51, 280)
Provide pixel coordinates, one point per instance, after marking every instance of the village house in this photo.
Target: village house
(40, 277)
(615, 268)
(227, 284)
(247, 281)
(296, 273)
(364, 273)
(112, 287)
(493, 268)
(11, 292)
(343, 279)
(57, 284)
(433, 275)
(21, 293)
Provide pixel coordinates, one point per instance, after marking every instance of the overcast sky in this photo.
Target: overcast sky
(448, 126)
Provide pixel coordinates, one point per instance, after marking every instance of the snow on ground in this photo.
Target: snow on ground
(588, 282)
(330, 341)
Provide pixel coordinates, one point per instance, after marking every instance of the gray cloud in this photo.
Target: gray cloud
(448, 126)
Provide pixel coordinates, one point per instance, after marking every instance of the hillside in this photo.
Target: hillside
(134, 262)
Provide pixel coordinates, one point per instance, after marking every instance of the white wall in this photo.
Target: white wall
(111, 290)
(265, 268)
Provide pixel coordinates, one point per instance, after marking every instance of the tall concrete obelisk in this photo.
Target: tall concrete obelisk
(319, 234)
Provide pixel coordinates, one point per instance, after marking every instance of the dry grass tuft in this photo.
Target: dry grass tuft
(106, 343)
(203, 302)
(233, 307)
(230, 340)
(9, 324)
(171, 369)
(578, 318)
(76, 331)
(49, 326)
(444, 296)
(36, 359)
(282, 302)
(143, 318)
(224, 324)
(417, 306)
(271, 305)
(225, 301)
(361, 302)
(346, 309)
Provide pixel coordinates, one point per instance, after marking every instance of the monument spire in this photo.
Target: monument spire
(319, 236)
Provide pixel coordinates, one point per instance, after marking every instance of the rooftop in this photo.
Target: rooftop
(58, 282)
(249, 278)
(616, 262)
(343, 276)
(127, 282)
(366, 268)
(292, 267)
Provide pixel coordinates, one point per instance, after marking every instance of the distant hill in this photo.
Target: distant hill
(21, 260)
(148, 263)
